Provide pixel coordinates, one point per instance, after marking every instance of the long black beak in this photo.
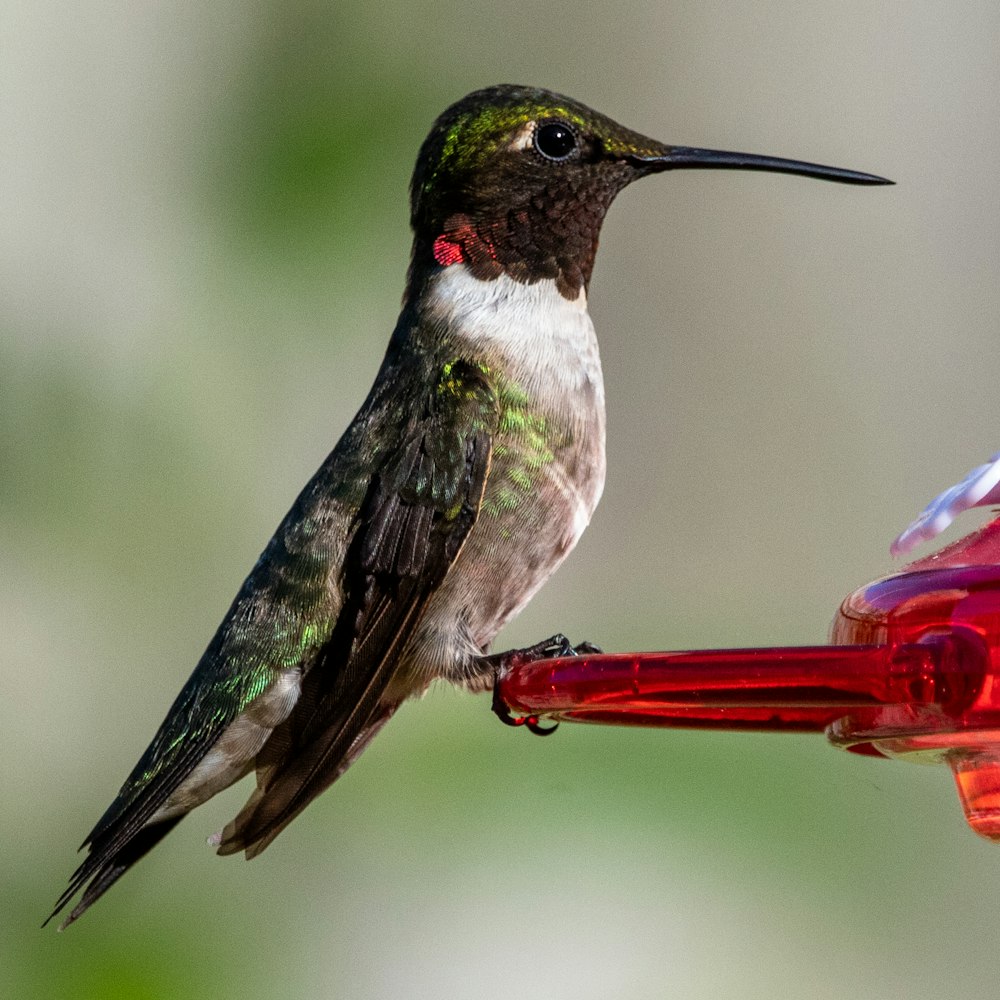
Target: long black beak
(678, 157)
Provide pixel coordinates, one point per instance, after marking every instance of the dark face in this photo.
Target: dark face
(517, 180)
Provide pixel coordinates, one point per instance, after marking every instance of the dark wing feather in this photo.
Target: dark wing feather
(265, 628)
(417, 515)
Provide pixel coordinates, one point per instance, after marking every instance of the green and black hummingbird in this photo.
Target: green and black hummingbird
(467, 476)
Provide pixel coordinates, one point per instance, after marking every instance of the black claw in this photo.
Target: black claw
(534, 726)
(501, 709)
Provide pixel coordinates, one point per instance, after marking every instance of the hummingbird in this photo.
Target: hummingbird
(468, 475)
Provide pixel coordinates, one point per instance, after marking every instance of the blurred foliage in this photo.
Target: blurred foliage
(204, 241)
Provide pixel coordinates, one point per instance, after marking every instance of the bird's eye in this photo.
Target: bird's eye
(555, 140)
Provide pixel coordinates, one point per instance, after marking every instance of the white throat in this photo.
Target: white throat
(547, 342)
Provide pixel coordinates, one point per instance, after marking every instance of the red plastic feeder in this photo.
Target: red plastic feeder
(913, 672)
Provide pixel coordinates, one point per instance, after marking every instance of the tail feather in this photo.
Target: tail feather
(105, 865)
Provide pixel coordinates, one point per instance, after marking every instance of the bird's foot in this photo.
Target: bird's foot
(502, 663)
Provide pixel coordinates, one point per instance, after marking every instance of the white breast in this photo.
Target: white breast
(546, 340)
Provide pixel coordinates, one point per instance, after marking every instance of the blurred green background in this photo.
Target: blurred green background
(203, 235)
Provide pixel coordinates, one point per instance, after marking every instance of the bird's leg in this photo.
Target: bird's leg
(502, 663)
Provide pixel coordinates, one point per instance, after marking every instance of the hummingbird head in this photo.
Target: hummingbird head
(517, 180)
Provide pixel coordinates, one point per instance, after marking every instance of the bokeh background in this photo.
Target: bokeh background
(203, 234)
